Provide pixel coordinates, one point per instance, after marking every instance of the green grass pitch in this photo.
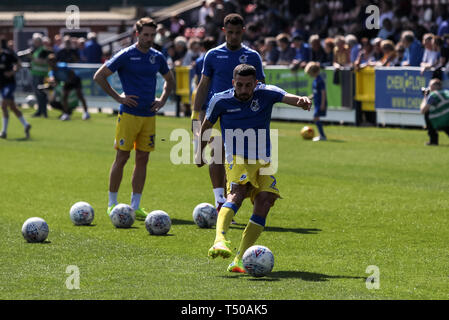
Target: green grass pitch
(368, 197)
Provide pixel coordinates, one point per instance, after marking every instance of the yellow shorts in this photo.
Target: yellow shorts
(243, 173)
(135, 132)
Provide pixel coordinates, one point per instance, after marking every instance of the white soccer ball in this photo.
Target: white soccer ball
(31, 100)
(81, 213)
(158, 222)
(205, 215)
(258, 261)
(122, 216)
(35, 230)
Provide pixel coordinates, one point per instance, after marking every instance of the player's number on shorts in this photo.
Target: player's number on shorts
(273, 185)
(151, 144)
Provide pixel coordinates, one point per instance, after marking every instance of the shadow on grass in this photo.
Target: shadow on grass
(43, 242)
(306, 276)
(182, 222)
(301, 275)
(280, 229)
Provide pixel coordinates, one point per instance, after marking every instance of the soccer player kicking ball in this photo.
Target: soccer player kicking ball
(219, 63)
(137, 66)
(245, 112)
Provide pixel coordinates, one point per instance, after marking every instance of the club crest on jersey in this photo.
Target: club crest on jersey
(255, 105)
(152, 59)
(243, 58)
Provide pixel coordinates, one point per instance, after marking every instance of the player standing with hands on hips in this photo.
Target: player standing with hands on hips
(219, 64)
(137, 66)
(245, 111)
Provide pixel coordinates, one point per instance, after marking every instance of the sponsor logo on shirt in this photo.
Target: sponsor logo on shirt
(235, 110)
(134, 58)
(222, 57)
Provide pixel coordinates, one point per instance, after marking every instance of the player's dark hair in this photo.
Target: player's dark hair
(145, 22)
(208, 43)
(244, 70)
(234, 19)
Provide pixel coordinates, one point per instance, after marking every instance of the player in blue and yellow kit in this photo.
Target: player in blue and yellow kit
(219, 63)
(137, 66)
(245, 114)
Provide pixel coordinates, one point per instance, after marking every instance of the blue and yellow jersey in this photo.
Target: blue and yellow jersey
(236, 117)
(137, 72)
(219, 64)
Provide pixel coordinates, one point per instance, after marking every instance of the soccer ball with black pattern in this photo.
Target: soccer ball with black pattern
(205, 215)
(258, 261)
(82, 213)
(35, 230)
(158, 222)
(122, 216)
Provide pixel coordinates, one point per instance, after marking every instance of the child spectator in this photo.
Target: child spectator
(319, 97)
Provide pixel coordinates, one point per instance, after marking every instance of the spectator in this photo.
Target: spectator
(92, 50)
(286, 52)
(180, 50)
(389, 53)
(271, 52)
(177, 25)
(400, 51)
(317, 52)
(67, 53)
(413, 49)
(353, 45)
(386, 7)
(443, 27)
(302, 50)
(377, 50)
(57, 43)
(387, 30)
(443, 51)
(162, 36)
(329, 46)
(365, 56)
(342, 57)
(193, 52)
(170, 54)
(299, 28)
(81, 45)
(204, 12)
(431, 56)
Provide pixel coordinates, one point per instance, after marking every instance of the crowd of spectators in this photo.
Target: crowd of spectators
(333, 33)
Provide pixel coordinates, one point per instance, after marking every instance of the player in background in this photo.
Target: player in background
(137, 67)
(60, 72)
(319, 98)
(9, 65)
(246, 107)
(219, 64)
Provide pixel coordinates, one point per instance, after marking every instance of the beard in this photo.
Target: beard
(242, 97)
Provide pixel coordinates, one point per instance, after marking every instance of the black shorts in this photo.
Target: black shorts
(75, 83)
